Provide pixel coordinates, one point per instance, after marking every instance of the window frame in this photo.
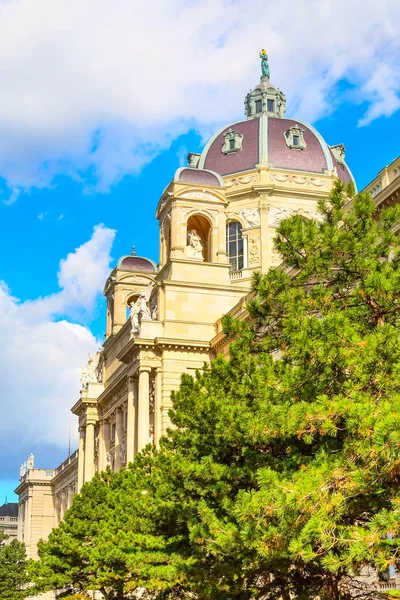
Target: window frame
(235, 239)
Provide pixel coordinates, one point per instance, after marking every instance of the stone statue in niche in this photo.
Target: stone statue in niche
(23, 469)
(194, 248)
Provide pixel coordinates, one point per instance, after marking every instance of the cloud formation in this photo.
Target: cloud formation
(40, 360)
(98, 87)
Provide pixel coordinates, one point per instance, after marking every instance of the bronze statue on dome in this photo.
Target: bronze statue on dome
(264, 64)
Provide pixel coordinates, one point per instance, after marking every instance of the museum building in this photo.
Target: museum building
(217, 220)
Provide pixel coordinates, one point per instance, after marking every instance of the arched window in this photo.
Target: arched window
(234, 245)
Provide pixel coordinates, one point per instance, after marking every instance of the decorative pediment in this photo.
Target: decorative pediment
(339, 152)
(232, 142)
(295, 138)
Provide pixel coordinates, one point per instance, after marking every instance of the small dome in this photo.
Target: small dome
(198, 177)
(137, 263)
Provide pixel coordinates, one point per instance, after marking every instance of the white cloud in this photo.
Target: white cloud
(41, 357)
(104, 86)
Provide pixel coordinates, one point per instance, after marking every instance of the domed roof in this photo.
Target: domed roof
(268, 138)
(136, 263)
(264, 139)
(198, 176)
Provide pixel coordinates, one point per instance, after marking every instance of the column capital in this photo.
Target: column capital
(145, 369)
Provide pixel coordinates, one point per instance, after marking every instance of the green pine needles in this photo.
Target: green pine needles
(281, 476)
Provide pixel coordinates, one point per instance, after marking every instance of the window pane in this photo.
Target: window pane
(234, 245)
(258, 106)
(231, 144)
(270, 105)
(296, 140)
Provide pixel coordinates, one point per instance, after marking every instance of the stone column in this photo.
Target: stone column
(118, 438)
(71, 494)
(131, 420)
(178, 232)
(267, 245)
(157, 407)
(89, 452)
(143, 429)
(222, 253)
(102, 448)
(28, 524)
(63, 503)
(81, 458)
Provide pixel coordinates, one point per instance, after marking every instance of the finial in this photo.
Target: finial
(133, 253)
(264, 65)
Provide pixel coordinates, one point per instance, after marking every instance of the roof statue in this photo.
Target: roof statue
(264, 64)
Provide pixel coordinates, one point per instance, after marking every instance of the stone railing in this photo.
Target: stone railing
(72, 458)
(384, 178)
(236, 274)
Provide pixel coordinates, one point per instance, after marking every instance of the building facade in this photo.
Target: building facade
(9, 522)
(217, 221)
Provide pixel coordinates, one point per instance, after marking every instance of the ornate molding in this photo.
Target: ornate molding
(298, 179)
(197, 195)
(245, 179)
(277, 214)
(254, 250)
(188, 211)
(250, 216)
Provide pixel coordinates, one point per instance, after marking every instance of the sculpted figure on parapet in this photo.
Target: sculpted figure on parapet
(145, 307)
(93, 371)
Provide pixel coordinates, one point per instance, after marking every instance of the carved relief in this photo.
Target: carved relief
(241, 180)
(251, 216)
(187, 211)
(299, 180)
(197, 195)
(277, 214)
(254, 250)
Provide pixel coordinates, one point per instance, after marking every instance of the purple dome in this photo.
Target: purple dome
(137, 263)
(264, 139)
(198, 177)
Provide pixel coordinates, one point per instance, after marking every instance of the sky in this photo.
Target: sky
(100, 101)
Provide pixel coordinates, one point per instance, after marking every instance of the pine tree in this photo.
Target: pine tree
(281, 476)
(13, 572)
(295, 442)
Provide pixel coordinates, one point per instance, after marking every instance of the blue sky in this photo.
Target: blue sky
(85, 155)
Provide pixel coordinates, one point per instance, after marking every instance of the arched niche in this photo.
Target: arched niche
(198, 226)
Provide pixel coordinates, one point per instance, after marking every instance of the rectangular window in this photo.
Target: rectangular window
(231, 144)
(258, 106)
(270, 105)
(296, 140)
(49, 473)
